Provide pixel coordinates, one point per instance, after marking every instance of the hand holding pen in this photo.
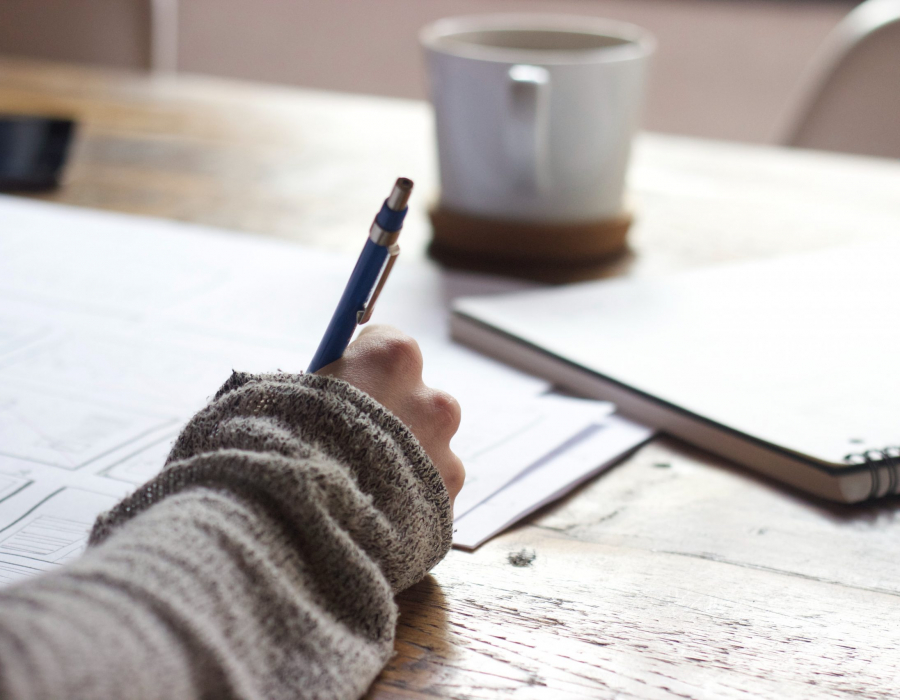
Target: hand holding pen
(368, 277)
(372, 360)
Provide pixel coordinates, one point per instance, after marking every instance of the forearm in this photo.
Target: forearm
(261, 563)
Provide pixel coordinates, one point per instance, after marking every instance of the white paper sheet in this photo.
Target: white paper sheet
(506, 439)
(55, 530)
(46, 514)
(597, 450)
(142, 464)
(114, 330)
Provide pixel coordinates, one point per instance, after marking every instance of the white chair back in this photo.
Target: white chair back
(850, 98)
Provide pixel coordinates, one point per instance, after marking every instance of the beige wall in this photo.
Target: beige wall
(109, 32)
(725, 68)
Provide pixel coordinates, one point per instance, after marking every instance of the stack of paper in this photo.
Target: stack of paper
(115, 329)
(502, 489)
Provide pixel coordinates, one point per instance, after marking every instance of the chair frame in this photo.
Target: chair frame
(860, 24)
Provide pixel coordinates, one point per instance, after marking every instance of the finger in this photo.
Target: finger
(452, 472)
(446, 412)
(387, 350)
(377, 329)
(378, 348)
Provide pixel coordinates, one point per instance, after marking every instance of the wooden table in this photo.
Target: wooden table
(674, 575)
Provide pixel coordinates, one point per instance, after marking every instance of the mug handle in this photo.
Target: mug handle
(526, 137)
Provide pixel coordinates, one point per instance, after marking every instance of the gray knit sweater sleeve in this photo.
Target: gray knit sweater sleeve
(260, 563)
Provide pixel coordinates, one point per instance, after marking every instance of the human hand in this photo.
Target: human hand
(387, 365)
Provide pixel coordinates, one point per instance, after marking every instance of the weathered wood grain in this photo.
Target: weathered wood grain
(674, 575)
(687, 580)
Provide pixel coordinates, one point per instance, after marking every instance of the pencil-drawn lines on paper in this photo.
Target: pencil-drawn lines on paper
(56, 529)
(44, 537)
(143, 465)
(167, 374)
(10, 485)
(63, 432)
(10, 573)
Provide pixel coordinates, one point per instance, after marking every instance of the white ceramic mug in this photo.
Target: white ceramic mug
(535, 113)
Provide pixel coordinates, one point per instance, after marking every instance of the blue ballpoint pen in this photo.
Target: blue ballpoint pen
(368, 277)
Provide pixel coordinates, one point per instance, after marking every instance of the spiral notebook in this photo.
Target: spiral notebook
(789, 366)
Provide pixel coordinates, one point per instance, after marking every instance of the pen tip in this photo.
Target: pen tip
(400, 194)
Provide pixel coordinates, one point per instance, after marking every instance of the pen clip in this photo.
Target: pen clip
(364, 314)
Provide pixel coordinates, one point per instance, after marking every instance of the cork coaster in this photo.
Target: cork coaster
(546, 252)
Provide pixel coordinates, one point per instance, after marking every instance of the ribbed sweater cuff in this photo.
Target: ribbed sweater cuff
(259, 430)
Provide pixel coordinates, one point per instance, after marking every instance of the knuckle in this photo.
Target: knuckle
(454, 476)
(400, 354)
(446, 408)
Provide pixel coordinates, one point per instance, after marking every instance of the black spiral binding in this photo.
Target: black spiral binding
(878, 460)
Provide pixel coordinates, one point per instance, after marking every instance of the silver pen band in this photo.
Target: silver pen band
(381, 237)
